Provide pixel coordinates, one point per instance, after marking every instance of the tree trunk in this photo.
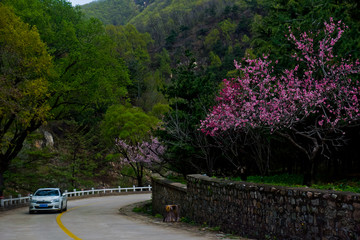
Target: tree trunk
(2, 184)
(310, 171)
(139, 180)
(140, 174)
(4, 166)
(311, 155)
(13, 150)
(307, 173)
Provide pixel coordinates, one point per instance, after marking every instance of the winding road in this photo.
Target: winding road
(91, 218)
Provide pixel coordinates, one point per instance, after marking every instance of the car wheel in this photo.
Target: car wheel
(60, 210)
(65, 209)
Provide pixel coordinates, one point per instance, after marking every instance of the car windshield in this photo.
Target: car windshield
(48, 192)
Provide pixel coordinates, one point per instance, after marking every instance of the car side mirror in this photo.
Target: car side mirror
(64, 194)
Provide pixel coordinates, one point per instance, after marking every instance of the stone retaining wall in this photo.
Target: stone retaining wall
(165, 192)
(264, 212)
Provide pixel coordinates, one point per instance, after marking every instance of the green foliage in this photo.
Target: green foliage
(25, 67)
(87, 76)
(164, 20)
(343, 185)
(56, 21)
(189, 95)
(127, 123)
(187, 220)
(132, 47)
(145, 208)
(215, 60)
(159, 110)
(92, 77)
(308, 15)
(115, 12)
(281, 179)
(212, 38)
(28, 171)
(76, 161)
(228, 29)
(176, 178)
(297, 180)
(215, 229)
(131, 44)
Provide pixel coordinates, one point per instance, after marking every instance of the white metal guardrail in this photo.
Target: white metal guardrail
(8, 202)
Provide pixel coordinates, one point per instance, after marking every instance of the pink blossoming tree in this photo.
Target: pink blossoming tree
(308, 105)
(140, 155)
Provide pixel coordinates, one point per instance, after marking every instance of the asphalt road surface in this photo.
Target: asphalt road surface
(95, 218)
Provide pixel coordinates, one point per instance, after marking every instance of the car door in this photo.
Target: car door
(63, 200)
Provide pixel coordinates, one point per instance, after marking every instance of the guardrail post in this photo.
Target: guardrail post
(74, 192)
(119, 188)
(93, 192)
(134, 188)
(10, 197)
(104, 191)
(149, 187)
(19, 196)
(2, 201)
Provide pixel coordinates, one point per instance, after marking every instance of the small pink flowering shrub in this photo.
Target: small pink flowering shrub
(140, 155)
(143, 152)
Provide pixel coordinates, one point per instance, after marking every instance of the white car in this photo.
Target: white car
(48, 199)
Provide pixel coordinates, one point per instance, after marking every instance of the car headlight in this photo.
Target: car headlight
(56, 200)
(33, 201)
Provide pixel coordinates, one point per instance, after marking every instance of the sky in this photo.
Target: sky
(80, 2)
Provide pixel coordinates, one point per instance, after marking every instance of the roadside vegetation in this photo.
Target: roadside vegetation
(291, 180)
(345, 185)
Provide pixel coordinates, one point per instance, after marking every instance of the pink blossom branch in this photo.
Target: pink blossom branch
(320, 87)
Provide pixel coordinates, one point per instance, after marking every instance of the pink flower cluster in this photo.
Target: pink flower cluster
(319, 86)
(144, 152)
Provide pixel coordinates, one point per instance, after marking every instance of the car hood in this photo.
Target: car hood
(45, 198)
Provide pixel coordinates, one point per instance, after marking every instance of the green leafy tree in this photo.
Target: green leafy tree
(190, 93)
(212, 38)
(127, 123)
(228, 29)
(24, 71)
(90, 76)
(87, 75)
(215, 59)
(78, 163)
(133, 126)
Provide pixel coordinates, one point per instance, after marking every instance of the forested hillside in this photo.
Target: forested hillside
(202, 39)
(113, 12)
(122, 87)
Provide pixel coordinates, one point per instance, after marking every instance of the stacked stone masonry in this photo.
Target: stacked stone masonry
(265, 212)
(165, 192)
